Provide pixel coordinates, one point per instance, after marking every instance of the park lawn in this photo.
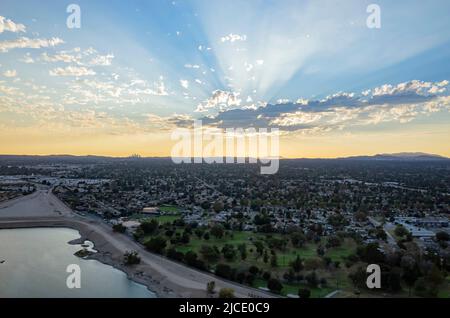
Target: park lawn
(347, 248)
(309, 250)
(238, 237)
(445, 292)
(163, 219)
(285, 258)
(169, 209)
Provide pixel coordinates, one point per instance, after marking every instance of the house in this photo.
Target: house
(151, 211)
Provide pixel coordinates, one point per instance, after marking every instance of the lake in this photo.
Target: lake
(33, 263)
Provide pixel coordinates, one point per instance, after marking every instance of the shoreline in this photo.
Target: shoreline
(103, 256)
(161, 276)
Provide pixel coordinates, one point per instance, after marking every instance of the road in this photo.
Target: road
(390, 239)
(165, 277)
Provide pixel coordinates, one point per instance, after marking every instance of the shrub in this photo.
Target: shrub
(131, 258)
(119, 228)
(274, 285)
(226, 293)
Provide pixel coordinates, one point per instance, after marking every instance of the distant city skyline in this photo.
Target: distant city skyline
(136, 70)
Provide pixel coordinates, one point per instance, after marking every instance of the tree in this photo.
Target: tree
(297, 264)
(149, 227)
(333, 241)
(298, 238)
(442, 236)
(259, 247)
(228, 252)
(400, 231)
(370, 253)
(185, 238)
(312, 279)
(304, 293)
(156, 244)
(273, 260)
(131, 258)
(218, 206)
(210, 286)
(172, 253)
(223, 270)
(226, 293)
(119, 228)
(243, 250)
(253, 270)
(274, 285)
(217, 231)
(210, 254)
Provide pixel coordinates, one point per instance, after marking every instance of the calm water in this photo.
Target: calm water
(35, 262)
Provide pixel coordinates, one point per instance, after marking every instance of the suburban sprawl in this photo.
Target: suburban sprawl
(308, 231)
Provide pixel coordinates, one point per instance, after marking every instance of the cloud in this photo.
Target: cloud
(61, 57)
(24, 42)
(401, 103)
(192, 66)
(233, 38)
(27, 59)
(10, 73)
(184, 84)
(71, 71)
(102, 60)
(11, 26)
(220, 100)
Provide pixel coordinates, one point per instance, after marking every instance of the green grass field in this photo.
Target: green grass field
(169, 209)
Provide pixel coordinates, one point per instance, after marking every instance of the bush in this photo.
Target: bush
(131, 258)
(304, 293)
(175, 255)
(149, 227)
(226, 293)
(156, 244)
(274, 285)
(224, 270)
(210, 286)
(191, 259)
(119, 228)
(312, 279)
(254, 270)
(209, 253)
(266, 275)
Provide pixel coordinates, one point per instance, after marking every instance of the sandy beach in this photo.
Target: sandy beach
(164, 277)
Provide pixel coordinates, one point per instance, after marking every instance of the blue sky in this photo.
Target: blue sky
(169, 61)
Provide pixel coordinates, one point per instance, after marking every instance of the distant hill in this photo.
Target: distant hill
(410, 156)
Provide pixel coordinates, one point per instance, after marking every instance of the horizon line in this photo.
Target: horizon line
(137, 156)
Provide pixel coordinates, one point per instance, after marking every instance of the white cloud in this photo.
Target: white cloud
(102, 60)
(10, 73)
(72, 71)
(25, 42)
(61, 57)
(233, 38)
(11, 26)
(184, 83)
(220, 99)
(27, 59)
(192, 66)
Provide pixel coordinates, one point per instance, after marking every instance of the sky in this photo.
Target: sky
(137, 70)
